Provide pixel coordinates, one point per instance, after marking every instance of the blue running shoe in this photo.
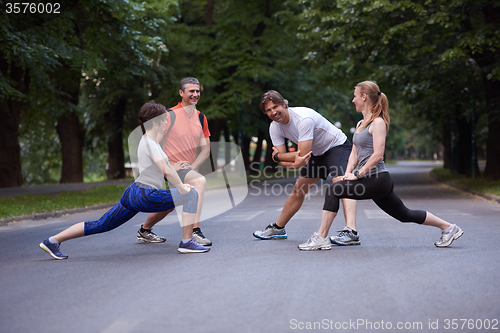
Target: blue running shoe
(192, 247)
(52, 249)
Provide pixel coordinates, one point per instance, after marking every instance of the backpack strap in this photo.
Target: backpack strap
(201, 117)
(172, 120)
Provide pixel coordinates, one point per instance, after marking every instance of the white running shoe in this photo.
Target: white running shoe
(447, 237)
(316, 243)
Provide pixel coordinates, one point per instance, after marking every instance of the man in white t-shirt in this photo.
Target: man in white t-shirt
(323, 150)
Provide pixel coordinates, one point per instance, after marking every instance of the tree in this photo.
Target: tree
(22, 57)
(42, 61)
(411, 45)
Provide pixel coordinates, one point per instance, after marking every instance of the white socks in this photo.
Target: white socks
(53, 240)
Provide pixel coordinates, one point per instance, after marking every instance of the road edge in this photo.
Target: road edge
(488, 197)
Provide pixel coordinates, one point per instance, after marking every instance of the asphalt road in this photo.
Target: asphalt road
(396, 280)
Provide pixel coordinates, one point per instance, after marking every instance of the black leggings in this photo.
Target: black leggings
(380, 188)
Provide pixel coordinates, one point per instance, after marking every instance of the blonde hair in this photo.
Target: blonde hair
(380, 103)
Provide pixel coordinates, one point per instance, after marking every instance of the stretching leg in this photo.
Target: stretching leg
(296, 199)
(113, 218)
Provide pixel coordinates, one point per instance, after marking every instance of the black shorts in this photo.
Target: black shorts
(333, 162)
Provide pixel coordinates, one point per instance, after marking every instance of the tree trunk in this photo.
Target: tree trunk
(68, 127)
(464, 150)
(116, 157)
(447, 144)
(258, 151)
(493, 141)
(209, 13)
(71, 135)
(10, 113)
(487, 60)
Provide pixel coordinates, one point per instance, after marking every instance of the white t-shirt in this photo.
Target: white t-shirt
(306, 124)
(149, 173)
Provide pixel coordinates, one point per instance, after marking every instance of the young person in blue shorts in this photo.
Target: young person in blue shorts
(145, 194)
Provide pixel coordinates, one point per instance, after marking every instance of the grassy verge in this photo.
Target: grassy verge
(481, 185)
(40, 203)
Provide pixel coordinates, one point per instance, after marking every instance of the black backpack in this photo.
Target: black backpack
(201, 118)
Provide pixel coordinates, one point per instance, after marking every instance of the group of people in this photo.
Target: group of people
(323, 151)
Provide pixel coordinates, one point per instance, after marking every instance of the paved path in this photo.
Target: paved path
(396, 277)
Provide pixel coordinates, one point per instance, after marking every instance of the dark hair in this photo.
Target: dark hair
(187, 80)
(380, 103)
(272, 96)
(148, 111)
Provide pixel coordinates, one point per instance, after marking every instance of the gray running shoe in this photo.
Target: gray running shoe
(200, 238)
(271, 233)
(316, 243)
(448, 237)
(149, 236)
(346, 237)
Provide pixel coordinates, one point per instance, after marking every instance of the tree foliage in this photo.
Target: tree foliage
(71, 84)
(433, 54)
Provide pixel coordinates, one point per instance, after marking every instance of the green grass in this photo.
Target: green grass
(39, 203)
(480, 184)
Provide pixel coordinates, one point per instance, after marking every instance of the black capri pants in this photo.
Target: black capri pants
(379, 188)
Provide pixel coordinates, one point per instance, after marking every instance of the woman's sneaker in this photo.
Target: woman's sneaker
(53, 249)
(447, 237)
(346, 237)
(149, 236)
(192, 247)
(316, 243)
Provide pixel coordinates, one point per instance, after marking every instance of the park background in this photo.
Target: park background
(71, 83)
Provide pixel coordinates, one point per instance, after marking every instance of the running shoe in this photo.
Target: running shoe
(149, 236)
(53, 249)
(200, 238)
(316, 243)
(346, 237)
(447, 237)
(271, 232)
(192, 247)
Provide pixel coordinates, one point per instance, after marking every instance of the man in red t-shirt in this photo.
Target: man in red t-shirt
(181, 142)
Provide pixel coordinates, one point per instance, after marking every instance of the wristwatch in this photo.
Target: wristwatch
(356, 173)
(276, 158)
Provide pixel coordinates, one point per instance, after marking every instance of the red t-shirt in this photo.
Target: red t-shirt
(183, 139)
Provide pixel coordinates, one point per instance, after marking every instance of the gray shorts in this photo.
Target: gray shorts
(183, 172)
(182, 175)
